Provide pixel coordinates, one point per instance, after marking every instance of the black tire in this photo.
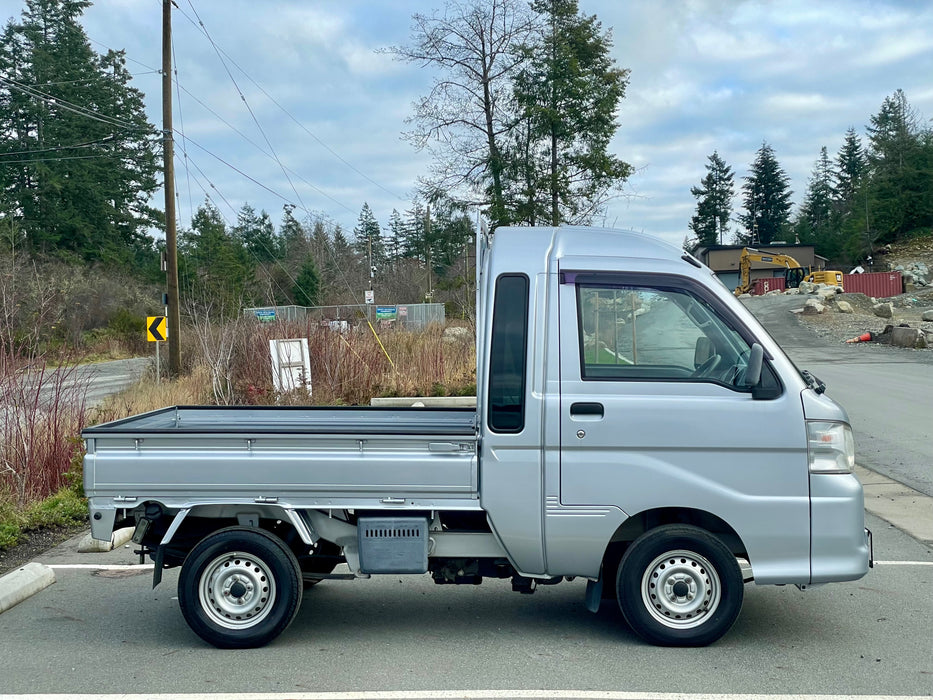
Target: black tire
(239, 588)
(679, 585)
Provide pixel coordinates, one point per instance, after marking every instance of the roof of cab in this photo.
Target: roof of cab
(582, 241)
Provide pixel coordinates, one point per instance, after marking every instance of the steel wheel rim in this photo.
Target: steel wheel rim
(237, 590)
(681, 589)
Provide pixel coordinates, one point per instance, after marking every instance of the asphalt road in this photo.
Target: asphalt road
(888, 392)
(106, 378)
(104, 630)
(107, 631)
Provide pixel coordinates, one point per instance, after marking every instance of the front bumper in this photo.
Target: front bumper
(840, 544)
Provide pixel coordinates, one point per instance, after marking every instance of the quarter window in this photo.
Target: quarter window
(508, 351)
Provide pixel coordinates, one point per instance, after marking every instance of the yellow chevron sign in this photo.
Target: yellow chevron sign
(155, 329)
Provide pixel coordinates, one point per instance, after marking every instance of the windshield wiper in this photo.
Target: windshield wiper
(814, 383)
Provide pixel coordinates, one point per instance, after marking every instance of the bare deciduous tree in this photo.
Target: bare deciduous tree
(462, 120)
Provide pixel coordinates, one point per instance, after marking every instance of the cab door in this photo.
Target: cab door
(654, 415)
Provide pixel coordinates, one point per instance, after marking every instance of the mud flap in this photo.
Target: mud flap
(594, 593)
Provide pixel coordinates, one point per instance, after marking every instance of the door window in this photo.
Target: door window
(654, 333)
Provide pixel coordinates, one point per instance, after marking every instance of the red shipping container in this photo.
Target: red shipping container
(764, 285)
(874, 284)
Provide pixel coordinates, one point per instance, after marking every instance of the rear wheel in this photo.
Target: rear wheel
(679, 585)
(239, 588)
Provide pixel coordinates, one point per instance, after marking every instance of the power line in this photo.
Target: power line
(265, 153)
(245, 102)
(62, 158)
(57, 148)
(53, 101)
(320, 141)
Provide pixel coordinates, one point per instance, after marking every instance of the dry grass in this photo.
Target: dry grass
(351, 368)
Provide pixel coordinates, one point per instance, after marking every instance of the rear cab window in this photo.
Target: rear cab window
(508, 355)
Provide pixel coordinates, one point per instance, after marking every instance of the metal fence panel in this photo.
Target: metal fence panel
(416, 317)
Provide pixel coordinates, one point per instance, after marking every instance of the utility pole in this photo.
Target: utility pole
(168, 158)
(372, 274)
(427, 245)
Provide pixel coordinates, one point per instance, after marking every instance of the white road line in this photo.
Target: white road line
(904, 563)
(100, 567)
(463, 695)
(119, 567)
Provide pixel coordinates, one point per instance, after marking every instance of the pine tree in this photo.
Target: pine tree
(307, 284)
(367, 239)
(77, 153)
(848, 173)
(819, 219)
(567, 94)
(256, 232)
(900, 171)
(714, 202)
(767, 200)
(213, 265)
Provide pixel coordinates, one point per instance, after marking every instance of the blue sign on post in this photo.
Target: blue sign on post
(385, 313)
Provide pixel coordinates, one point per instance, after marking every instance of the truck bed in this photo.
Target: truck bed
(304, 457)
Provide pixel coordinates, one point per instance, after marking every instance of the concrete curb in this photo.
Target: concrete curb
(906, 509)
(120, 537)
(24, 582)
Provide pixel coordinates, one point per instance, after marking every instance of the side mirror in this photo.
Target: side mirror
(753, 370)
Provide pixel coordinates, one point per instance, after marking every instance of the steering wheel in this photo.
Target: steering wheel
(711, 363)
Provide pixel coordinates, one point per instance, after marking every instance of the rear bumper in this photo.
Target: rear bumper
(840, 545)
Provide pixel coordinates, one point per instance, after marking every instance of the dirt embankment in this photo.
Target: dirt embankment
(908, 308)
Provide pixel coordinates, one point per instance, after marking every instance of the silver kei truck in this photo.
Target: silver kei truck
(635, 427)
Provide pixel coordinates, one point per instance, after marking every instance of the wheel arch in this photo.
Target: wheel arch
(639, 523)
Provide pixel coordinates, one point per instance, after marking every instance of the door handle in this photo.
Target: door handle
(586, 409)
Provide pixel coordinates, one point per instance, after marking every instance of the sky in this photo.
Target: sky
(309, 113)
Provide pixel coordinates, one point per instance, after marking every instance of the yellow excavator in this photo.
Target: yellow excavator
(794, 273)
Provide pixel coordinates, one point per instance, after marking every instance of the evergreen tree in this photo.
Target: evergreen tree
(77, 155)
(567, 94)
(256, 233)
(367, 239)
(819, 220)
(766, 200)
(415, 234)
(307, 284)
(714, 202)
(900, 179)
(848, 173)
(394, 240)
(213, 265)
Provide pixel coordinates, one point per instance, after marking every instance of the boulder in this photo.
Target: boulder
(883, 310)
(928, 315)
(457, 334)
(826, 293)
(844, 307)
(813, 308)
(792, 291)
(906, 337)
(807, 288)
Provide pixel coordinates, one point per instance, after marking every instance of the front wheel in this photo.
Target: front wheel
(679, 585)
(239, 588)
